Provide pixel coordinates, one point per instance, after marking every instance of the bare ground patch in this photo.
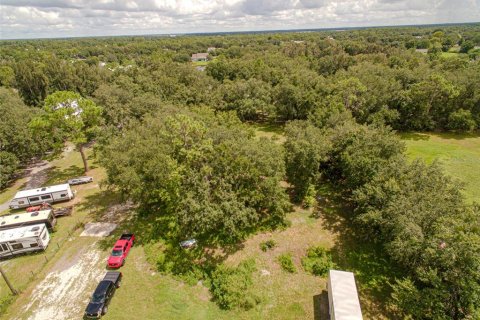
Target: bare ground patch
(65, 290)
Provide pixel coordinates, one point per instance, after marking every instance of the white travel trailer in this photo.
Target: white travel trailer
(342, 296)
(23, 239)
(51, 194)
(27, 219)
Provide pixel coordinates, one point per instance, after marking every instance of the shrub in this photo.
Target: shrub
(317, 261)
(286, 262)
(461, 120)
(310, 201)
(267, 245)
(230, 287)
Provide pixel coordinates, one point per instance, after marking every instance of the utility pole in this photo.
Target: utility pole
(14, 292)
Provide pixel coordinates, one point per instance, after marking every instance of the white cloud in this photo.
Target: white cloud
(59, 18)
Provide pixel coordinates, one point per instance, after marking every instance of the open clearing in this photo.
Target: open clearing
(459, 155)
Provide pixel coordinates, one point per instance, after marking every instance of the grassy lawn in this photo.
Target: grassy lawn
(270, 131)
(459, 155)
(200, 63)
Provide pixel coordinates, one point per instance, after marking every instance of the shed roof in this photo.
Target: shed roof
(201, 55)
(344, 295)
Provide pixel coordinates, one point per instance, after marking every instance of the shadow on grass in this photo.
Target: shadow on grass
(56, 176)
(150, 229)
(456, 135)
(415, 136)
(320, 306)
(368, 261)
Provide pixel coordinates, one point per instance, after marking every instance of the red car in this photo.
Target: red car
(120, 250)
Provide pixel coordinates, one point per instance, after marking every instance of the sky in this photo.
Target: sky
(72, 18)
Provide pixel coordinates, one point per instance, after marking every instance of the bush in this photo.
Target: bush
(317, 261)
(286, 263)
(461, 120)
(310, 197)
(267, 245)
(230, 287)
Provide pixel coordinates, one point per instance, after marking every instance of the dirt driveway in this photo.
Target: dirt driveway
(65, 291)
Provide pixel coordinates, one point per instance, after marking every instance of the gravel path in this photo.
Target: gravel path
(65, 291)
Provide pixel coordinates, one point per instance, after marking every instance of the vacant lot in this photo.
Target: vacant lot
(459, 155)
(76, 265)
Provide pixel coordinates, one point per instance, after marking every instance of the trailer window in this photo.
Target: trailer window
(44, 236)
(45, 197)
(17, 246)
(21, 202)
(33, 245)
(4, 247)
(63, 195)
(1, 248)
(34, 199)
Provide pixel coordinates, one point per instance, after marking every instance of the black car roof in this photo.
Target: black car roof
(102, 286)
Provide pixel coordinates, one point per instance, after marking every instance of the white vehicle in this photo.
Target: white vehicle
(23, 239)
(80, 180)
(51, 194)
(27, 219)
(342, 296)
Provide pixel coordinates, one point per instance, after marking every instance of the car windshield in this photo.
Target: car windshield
(116, 253)
(98, 297)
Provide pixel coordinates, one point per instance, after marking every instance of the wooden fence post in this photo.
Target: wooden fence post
(14, 292)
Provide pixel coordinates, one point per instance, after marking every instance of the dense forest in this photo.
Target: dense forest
(175, 138)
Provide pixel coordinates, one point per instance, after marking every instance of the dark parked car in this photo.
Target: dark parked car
(80, 180)
(102, 296)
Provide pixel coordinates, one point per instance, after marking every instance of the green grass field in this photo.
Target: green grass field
(459, 155)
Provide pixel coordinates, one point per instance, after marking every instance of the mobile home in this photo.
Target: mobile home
(27, 219)
(23, 239)
(342, 296)
(51, 194)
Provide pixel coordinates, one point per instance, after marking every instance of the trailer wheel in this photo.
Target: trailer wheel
(119, 284)
(104, 310)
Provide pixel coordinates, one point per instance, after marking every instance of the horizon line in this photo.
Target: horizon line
(207, 33)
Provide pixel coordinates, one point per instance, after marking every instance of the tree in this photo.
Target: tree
(466, 46)
(69, 116)
(8, 166)
(206, 174)
(305, 148)
(18, 144)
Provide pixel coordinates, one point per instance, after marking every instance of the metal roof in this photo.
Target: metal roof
(344, 295)
(43, 190)
(21, 232)
(20, 218)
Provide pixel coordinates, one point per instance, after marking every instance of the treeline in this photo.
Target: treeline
(374, 73)
(413, 210)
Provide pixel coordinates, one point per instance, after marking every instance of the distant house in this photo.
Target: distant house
(200, 57)
(211, 49)
(424, 51)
